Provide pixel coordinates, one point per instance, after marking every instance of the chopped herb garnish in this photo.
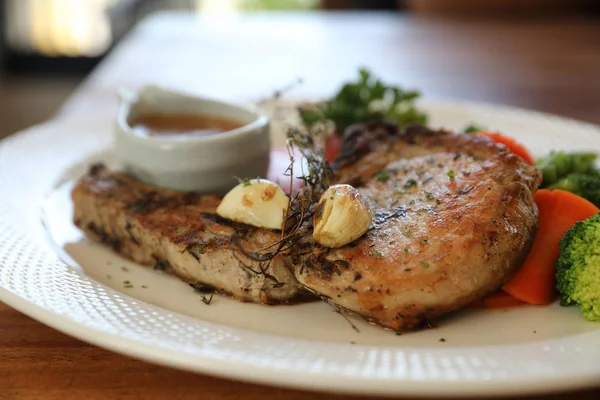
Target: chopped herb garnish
(429, 196)
(206, 300)
(206, 231)
(128, 286)
(245, 181)
(406, 250)
(442, 340)
(451, 174)
(144, 287)
(425, 264)
(213, 239)
(398, 333)
(376, 254)
(352, 342)
(440, 165)
(126, 283)
(124, 269)
(383, 175)
(423, 241)
(365, 99)
(406, 233)
(201, 249)
(473, 128)
(383, 234)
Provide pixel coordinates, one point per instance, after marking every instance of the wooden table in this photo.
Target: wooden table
(550, 66)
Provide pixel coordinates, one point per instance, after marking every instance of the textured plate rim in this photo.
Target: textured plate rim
(293, 380)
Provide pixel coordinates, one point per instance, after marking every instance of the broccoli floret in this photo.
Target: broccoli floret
(559, 164)
(586, 186)
(578, 268)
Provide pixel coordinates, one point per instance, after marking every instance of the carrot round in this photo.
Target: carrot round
(513, 146)
(498, 299)
(535, 281)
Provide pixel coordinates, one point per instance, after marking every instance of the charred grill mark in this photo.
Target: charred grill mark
(359, 139)
(187, 237)
(162, 265)
(203, 288)
(413, 132)
(153, 200)
(128, 228)
(382, 215)
(105, 238)
(96, 169)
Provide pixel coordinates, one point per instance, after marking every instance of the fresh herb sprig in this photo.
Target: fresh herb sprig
(364, 100)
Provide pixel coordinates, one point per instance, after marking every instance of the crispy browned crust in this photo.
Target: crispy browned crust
(180, 233)
(439, 239)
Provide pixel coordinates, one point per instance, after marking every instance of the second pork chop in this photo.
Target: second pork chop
(181, 233)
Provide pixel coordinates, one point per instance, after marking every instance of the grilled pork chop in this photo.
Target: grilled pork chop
(454, 218)
(181, 233)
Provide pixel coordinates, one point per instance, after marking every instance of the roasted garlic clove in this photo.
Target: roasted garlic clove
(257, 202)
(342, 216)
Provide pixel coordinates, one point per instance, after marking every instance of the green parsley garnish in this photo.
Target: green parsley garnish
(451, 174)
(473, 128)
(124, 269)
(245, 181)
(363, 100)
(383, 175)
(442, 340)
(425, 264)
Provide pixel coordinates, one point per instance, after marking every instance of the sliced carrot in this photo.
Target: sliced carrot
(535, 281)
(498, 299)
(513, 146)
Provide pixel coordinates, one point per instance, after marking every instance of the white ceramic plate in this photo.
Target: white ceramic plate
(51, 273)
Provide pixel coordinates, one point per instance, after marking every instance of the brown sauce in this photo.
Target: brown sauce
(182, 125)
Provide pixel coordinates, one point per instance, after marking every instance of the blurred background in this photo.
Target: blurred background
(47, 47)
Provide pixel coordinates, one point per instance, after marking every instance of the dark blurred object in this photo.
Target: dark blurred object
(509, 8)
(61, 36)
